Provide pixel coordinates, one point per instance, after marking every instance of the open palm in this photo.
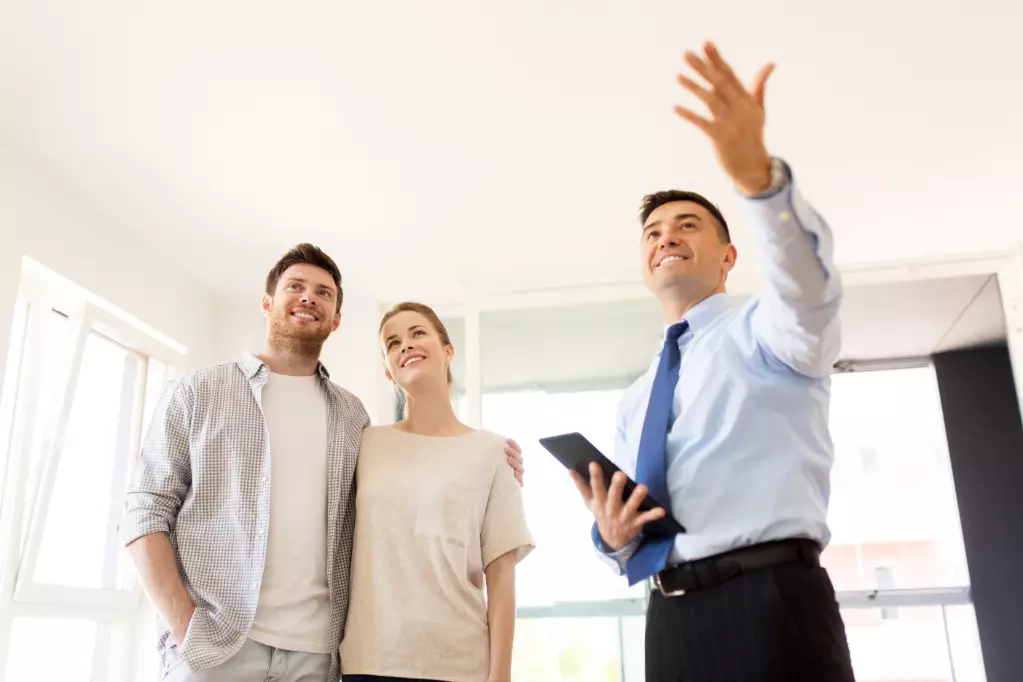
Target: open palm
(736, 122)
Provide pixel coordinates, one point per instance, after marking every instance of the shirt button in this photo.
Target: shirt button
(784, 216)
(264, 479)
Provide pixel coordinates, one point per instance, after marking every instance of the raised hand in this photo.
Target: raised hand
(736, 124)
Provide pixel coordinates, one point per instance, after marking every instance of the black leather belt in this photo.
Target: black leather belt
(715, 570)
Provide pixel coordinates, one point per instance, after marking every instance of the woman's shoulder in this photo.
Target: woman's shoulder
(489, 446)
(489, 439)
(377, 436)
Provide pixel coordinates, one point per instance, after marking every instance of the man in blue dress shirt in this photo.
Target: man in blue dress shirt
(729, 427)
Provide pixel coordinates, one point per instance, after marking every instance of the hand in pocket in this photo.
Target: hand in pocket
(180, 629)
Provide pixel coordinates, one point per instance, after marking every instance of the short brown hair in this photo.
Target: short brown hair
(427, 312)
(652, 202)
(309, 255)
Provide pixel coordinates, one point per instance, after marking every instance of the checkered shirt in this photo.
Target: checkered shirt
(204, 479)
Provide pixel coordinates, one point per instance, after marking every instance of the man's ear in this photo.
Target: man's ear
(267, 304)
(731, 256)
(336, 323)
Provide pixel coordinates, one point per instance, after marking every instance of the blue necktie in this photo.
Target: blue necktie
(652, 460)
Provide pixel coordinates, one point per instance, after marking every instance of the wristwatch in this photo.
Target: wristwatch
(780, 177)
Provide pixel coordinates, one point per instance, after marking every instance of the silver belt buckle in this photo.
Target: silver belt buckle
(665, 593)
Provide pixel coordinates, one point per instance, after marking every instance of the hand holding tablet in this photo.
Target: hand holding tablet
(623, 509)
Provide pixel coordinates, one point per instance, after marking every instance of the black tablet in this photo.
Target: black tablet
(576, 453)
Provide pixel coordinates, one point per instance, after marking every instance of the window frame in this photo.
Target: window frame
(36, 439)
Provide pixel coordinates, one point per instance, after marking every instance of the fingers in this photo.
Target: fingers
(582, 486)
(635, 499)
(516, 464)
(711, 75)
(613, 506)
(697, 120)
(648, 516)
(597, 486)
(630, 515)
(760, 84)
(514, 453)
(715, 70)
(706, 96)
(721, 66)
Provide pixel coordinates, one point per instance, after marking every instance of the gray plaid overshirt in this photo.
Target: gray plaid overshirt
(204, 479)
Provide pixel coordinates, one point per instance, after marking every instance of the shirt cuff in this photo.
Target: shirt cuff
(616, 557)
(136, 524)
(780, 178)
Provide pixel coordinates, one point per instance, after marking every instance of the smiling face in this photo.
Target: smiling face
(683, 252)
(416, 351)
(302, 310)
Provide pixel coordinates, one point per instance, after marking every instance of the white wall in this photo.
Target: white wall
(588, 342)
(39, 219)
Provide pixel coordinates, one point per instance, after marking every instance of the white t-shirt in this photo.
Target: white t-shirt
(431, 514)
(294, 603)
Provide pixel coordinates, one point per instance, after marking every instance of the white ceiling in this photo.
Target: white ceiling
(921, 318)
(435, 148)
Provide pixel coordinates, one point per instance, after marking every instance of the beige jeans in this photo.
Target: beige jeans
(257, 662)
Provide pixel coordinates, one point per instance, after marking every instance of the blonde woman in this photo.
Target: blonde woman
(437, 510)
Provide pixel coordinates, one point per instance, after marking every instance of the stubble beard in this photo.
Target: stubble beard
(292, 339)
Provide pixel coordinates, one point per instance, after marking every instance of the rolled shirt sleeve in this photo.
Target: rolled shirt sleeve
(163, 476)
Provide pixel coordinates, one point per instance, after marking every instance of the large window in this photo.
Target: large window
(896, 555)
(893, 513)
(563, 567)
(79, 385)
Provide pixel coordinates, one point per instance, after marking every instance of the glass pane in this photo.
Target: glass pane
(11, 370)
(566, 650)
(132, 654)
(74, 539)
(56, 338)
(51, 649)
(914, 646)
(965, 643)
(634, 648)
(557, 517)
(893, 511)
